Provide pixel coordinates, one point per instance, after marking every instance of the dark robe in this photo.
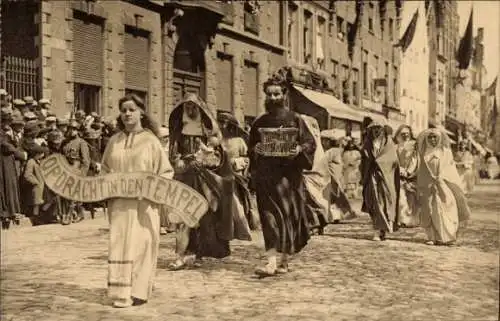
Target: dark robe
(9, 189)
(280, 189)
(216, 227)
(381, 185)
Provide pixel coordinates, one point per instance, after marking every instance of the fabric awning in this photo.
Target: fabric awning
(331, 104)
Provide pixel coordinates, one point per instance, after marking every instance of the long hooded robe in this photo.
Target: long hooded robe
(381, 183)
(317, 181)
(279, 182)
(443, 205)
(220, 224)
(465, 166)
(134, 234)
(408, 163)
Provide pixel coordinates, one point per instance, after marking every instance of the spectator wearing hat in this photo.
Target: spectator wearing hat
(76, 151)
(80, 118)
(30, 103)
(30, 116)
(62, 125)
(20, 105)
(32, 184)
(44, 107)
(51, 122)
(31, 132)
(10, 205)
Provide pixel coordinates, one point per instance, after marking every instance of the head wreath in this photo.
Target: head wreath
(279, 78)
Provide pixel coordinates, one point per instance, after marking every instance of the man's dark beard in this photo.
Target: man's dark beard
(272, 106)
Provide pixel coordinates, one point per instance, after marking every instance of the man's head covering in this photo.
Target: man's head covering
(51, 119)
(17, 119)
(79, 114)
(3, 92)
(74, 124)
(6, 113)
(30, 116)
(62, 122)
(31, 129)
(29, 100)
(18, 102)
(44, 101)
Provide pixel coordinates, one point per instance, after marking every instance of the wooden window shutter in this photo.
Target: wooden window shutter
(251, 88)
(224, 65)
(88, 51)
(136, 59)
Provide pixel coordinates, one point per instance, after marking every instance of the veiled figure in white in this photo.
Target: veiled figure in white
(443, 206)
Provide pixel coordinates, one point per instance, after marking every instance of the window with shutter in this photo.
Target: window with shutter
(137, 60)
(250, 89)
(88, 50)
(224, 73)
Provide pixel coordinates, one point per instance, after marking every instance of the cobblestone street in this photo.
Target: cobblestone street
(59, 273)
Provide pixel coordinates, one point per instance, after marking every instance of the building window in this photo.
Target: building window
(251, 19)
(370, 17)
(395, 86)
(87, 97)
(224, 92)
(335, 77)
(320, 43)
(391, 29)
(137, 53)
(293, 31)
(307, 36)
(251, 87)
(365, 79)
(355, 83)
(340, 29)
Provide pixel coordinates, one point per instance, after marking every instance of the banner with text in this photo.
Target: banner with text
(184, 203)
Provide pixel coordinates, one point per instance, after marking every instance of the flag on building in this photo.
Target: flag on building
(409, 34)
(465, 48)
(353, 32)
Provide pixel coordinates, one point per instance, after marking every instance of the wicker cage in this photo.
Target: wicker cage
(278, 142)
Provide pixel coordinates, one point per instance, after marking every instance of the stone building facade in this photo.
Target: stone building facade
(90, 53)
(346, 77)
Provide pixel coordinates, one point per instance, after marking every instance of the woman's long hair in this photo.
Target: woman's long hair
(146, 121)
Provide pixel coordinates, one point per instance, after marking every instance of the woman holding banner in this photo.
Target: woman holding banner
(134, 223)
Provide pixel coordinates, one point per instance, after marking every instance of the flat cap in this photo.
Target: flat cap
(19, 102)
(3, 92)
(29, 99)
(30, 116)
(44, 101)
(51, 119)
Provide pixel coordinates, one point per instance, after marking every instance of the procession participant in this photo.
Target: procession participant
(234, 142)
(408, 164)
(317, 182)
(279, 181)
(492, 168)
(443, 205)
(351, 159)
(134, 223)
(33, 185)
(165, 225)
(10, 204)
(381, 182)
(191, 125)
(340, 207)
(76, 151)
(465, 166)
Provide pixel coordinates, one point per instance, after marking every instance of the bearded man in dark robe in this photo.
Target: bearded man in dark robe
(281, 193)
(194, 133)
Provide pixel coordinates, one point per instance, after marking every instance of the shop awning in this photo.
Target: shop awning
(331, 104)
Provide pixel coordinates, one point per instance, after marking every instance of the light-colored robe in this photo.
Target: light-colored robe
(134, 224)
(443, 205)
(408, 163)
